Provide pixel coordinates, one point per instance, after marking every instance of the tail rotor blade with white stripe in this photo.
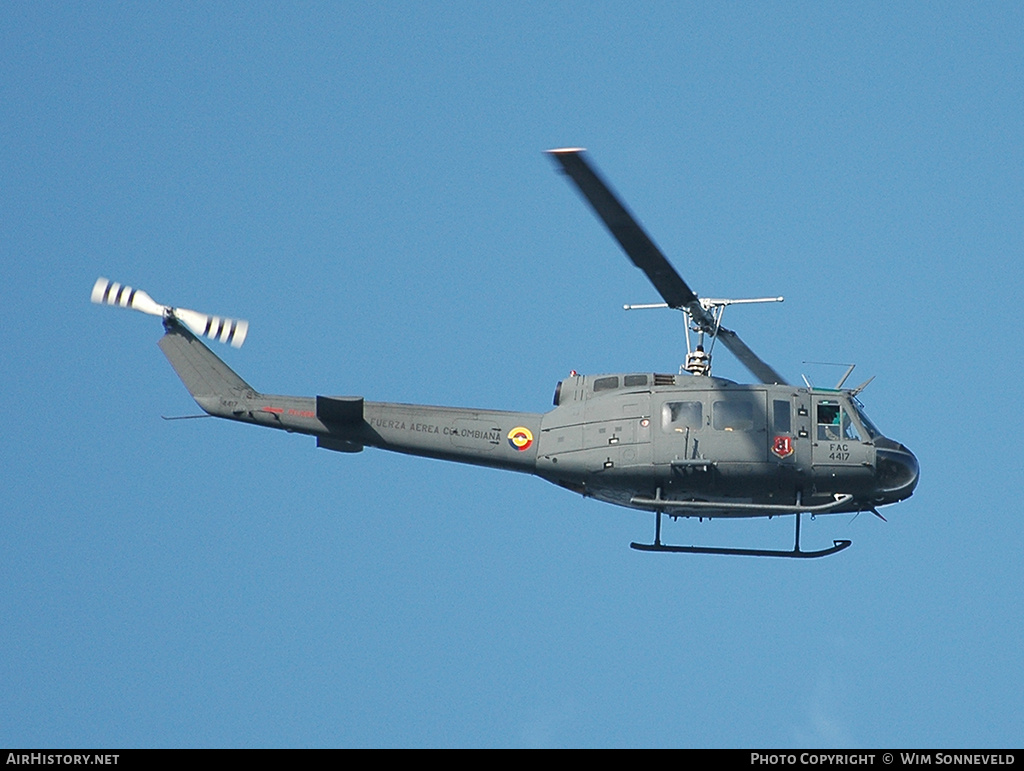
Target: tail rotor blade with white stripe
(107, 292)
(217, 328)
(224, 330)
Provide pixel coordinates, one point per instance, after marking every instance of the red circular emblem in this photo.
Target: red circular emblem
(783, 446)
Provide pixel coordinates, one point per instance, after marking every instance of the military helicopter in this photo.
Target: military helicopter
(685, 444)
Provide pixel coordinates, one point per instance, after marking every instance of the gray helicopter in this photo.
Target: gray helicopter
(686, 445)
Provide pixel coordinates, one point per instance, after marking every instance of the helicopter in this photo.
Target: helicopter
(685, 444)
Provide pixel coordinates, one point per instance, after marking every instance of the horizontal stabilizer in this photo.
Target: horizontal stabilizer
(344, 410)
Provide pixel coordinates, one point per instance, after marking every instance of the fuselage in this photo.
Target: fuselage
(683, 437)
(624, 439)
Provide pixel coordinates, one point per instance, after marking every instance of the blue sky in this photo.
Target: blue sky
(365, 183)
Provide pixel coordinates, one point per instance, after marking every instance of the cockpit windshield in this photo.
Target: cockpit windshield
(865, 421)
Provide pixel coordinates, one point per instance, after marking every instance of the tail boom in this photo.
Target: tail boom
(493, 438)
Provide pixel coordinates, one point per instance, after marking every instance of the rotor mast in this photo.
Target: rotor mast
(707, 321)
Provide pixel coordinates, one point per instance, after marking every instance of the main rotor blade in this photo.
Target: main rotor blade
(758, 368)
(624, 227)
(648, 257)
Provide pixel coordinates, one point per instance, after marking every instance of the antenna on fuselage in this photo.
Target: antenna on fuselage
(849, 370)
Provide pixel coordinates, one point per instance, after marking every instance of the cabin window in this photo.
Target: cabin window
(682, 416)
(634, 380)
(783, 424)
(733, 415)
(606, 384)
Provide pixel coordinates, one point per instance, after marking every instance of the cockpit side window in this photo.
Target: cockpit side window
(834, 423)
(605, 384)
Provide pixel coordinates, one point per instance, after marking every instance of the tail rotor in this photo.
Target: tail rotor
(219, 328)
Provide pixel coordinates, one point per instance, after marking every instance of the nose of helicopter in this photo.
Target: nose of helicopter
(898, 472)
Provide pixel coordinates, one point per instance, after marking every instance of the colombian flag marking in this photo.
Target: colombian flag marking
(520, 438)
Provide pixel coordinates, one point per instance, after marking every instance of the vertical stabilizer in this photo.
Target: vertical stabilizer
(203, 374)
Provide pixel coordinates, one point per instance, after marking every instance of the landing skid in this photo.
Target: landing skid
(796, 552)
